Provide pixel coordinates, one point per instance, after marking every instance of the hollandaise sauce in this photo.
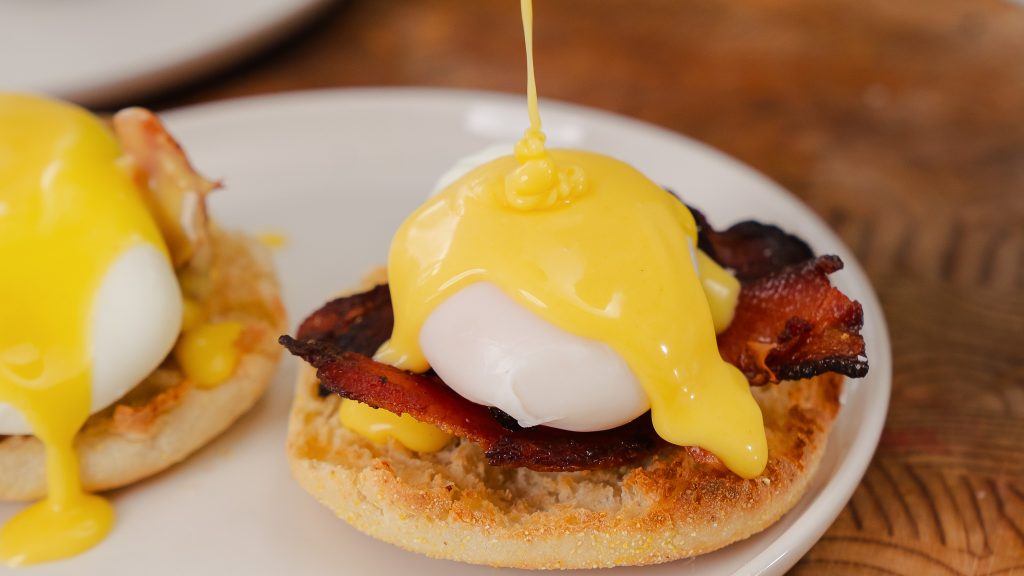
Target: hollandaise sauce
(379, 425)
(66, 212)
(594, 247)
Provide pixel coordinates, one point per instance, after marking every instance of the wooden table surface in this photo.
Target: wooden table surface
(900, 122)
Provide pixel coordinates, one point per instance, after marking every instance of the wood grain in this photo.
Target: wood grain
(901, 123)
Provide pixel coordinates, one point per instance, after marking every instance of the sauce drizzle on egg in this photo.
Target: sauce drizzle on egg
(594, 247)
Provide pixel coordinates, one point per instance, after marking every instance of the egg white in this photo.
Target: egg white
(493, 351)
(136, 318)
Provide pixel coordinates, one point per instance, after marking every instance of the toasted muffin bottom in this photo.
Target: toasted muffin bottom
(453, 505)
(164, 419)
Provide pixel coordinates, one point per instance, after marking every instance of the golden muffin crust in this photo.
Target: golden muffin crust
(453, 505)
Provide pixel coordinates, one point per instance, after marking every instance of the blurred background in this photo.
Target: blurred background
(901, 123)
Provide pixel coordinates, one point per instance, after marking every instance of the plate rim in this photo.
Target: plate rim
(170, 71)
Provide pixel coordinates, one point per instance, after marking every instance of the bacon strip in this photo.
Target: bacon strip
(750, 249)
(174, 192)
(426, 398)
(359, 323)
(790, 323)
(794, 324)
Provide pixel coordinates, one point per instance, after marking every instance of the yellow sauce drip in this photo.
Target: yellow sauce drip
(722, 290)
(66, 213)
(207, 352)
(273, 240)
(610, 261)
(192, 314)
(378, 425)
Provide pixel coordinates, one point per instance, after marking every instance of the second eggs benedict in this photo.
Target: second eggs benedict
(114, 293)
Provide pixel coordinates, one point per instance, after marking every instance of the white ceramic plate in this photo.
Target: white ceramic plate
(336, 172)
(101, 51)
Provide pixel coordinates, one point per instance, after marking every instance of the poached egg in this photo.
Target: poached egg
(89, 305)
(495, 352)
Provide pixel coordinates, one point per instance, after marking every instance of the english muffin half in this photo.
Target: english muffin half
(453, 504)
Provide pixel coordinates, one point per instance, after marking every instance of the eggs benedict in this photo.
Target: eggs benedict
(563, 366)
(127, 324)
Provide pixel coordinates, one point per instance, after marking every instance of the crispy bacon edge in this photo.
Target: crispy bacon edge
(174, 192)
(794, 324)
(790, 323)
(750, 249)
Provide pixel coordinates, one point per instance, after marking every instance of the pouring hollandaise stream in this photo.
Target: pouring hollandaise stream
(593, 248)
